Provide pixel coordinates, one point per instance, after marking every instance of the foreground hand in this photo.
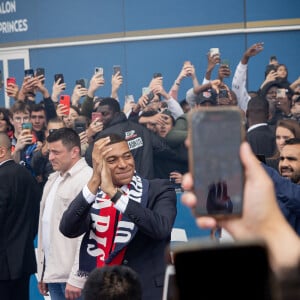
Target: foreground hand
(43, 288)
(72, 292)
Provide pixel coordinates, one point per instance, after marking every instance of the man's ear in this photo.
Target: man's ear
(75, 152)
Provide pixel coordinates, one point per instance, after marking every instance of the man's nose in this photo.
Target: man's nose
(122, 162)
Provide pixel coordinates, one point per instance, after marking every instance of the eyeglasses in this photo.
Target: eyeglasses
(23, 120)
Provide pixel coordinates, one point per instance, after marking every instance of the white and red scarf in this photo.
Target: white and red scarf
(110, 231)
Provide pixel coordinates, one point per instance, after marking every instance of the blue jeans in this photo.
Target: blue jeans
(57, 291)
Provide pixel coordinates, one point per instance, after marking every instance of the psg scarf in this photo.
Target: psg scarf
(110, 231)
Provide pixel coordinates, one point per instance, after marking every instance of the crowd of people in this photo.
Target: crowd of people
(101, 177)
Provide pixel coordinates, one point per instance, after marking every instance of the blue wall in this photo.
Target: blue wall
(58, 21)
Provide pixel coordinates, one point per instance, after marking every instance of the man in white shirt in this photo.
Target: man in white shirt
(57, 255)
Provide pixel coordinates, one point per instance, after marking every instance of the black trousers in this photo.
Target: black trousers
(17, 289)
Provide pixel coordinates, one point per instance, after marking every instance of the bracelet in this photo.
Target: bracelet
(177, 83)
(117, 196)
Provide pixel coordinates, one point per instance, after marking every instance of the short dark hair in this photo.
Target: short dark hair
(67, 136)
(293, 141)
(113, 104)
(117, 282)
(114, 138)
(37, 107)
(257, 108)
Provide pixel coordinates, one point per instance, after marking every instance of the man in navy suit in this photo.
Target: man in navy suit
(19, 213)
(126, 219)
(260, 135)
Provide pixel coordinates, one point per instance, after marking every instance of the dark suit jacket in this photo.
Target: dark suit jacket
(19, 212)
(262, 140)
(145, 253)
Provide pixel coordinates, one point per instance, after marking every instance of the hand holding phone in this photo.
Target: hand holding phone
(39, 72)
(65, 100)
(10, 81)
(99, 71)
(116, 69)
(60, 77)
(27, 126)
(216, 135)
(29, 73)
(150, 96)
(81, 82)
(27, 131)
(96, 116)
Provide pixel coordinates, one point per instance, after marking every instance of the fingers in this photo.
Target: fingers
(206, 222)
(102, 143)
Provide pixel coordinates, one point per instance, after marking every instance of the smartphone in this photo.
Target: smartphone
(145, 90)
(155, 75)
(40, 71)
(116, 69)
(214, 160)
(129, 98)
(81, 82)
(96, 115)
(65, 100)
(223, 270)
(281, 93)
(214, 51)
(225, 62)
(29, 73)
(10, 80)
(27, 126)
(223, 93)
(270, 68)
(99, 71)
(150, 96)
(79, 126)
(59, 76)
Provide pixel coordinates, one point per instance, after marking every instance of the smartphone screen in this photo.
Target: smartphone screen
(216, 135)
(224, 270)
(65, 100)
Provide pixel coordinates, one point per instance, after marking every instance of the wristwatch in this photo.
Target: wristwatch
(116, 196)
